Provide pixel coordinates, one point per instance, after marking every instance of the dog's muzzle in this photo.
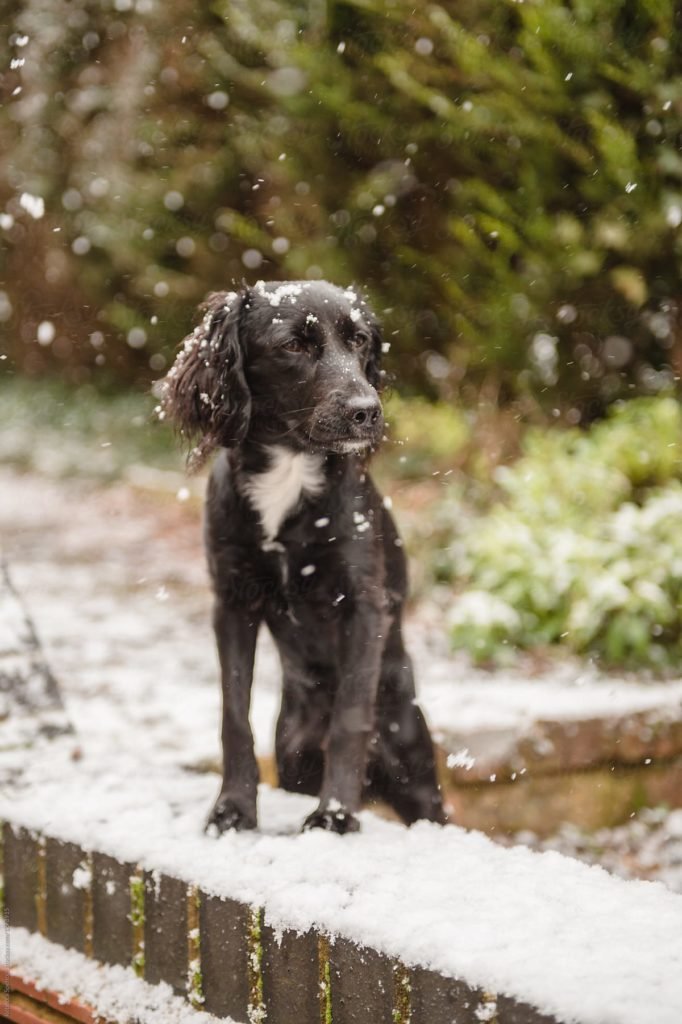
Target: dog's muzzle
(348, 424)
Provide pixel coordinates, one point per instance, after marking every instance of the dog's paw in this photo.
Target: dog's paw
(332, 820)
(228, 815)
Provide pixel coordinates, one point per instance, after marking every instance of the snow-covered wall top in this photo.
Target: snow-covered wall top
(569, 939)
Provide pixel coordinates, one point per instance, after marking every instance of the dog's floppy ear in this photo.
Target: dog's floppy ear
(205, 393)
(375, 375)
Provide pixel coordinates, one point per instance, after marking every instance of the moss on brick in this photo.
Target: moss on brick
(137, 917)
(195, 985)
(255, 966)
(486, 1011)
(402, 989)
(325, 981)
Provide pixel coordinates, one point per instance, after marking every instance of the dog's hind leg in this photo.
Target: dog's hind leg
(301, 732)
(402, 764)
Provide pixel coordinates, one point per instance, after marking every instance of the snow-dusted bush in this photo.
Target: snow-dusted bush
(585, 547)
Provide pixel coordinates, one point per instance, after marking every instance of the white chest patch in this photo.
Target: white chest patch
(275, 492)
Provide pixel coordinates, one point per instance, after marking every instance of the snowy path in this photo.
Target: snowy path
(115, 580)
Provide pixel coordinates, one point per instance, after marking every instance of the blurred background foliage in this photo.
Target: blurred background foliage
(504, 178)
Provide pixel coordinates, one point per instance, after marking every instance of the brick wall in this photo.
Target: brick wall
(221, 954)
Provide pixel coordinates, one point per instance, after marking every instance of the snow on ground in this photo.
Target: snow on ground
(649, 846)
(113, 991)
(570, 939)
(117, 585)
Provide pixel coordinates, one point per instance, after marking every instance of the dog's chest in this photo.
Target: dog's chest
(276, 492)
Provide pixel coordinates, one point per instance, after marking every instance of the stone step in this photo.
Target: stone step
(593, 772)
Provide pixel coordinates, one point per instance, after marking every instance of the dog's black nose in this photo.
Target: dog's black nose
(364, 411)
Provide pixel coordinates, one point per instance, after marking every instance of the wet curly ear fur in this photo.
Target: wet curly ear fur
(375, 375)
(205, 393)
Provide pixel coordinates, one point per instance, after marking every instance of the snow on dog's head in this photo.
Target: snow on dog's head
(298, 361)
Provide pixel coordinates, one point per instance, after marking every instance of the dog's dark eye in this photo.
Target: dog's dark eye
(294, 345)
(360, 338)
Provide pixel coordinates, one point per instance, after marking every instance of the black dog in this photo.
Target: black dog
(284, 379)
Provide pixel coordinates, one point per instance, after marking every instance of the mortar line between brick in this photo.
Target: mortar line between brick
(2, 868)
(617, 767)
(88, 918)
(324, 980)
(402, 994)
(41, 885)
(488, 1003)
(195, 993)
(137, 916)
(254, 960)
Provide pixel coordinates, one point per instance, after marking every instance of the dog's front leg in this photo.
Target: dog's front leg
(236, 630)
(352, 722)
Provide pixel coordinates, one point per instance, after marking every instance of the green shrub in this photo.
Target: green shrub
(504, 178)
(423, 437)
(585, 547)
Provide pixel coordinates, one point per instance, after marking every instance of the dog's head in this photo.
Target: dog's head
(295, 363)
